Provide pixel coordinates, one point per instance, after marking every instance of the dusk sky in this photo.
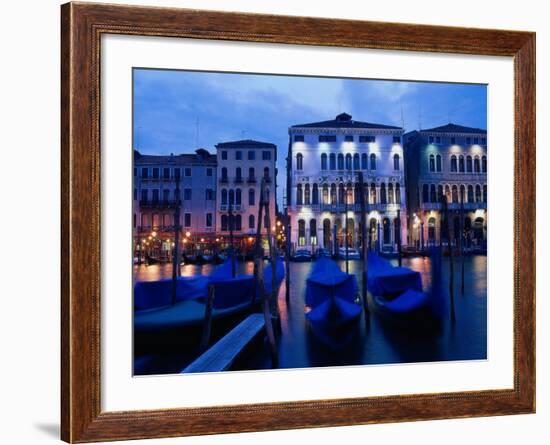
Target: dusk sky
(178, 111)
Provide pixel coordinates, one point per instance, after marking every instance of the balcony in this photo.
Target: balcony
(159, 203)
(238, 180)
(251, 180)
(267, 179)
(468, 206)
(236, 208)
(224, 180)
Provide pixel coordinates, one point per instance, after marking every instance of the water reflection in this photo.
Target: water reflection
(377, 341)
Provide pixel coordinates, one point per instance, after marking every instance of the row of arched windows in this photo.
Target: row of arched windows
(234, 196)
(239, 174)
(237, 222)
(460, 164)
(307, 194)
(374, 227)
(433, 194)
(348, 162)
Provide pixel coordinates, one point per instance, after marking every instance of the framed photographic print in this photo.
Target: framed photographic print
(275, 222)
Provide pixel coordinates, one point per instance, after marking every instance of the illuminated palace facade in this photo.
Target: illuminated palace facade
(324, 159)
(449, 160)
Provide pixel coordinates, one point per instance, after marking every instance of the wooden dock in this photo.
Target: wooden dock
(223, 354)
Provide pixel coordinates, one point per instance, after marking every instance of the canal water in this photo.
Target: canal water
(377, 340)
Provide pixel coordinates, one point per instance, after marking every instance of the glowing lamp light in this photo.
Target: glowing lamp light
(154, 234)
(202, 240)
(187, 234)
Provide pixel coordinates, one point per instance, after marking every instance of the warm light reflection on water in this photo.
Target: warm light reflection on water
(377, 341)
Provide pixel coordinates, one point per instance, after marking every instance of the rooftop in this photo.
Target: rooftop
(345, 120)
(245, 143)
(454, 128)
(201, 157)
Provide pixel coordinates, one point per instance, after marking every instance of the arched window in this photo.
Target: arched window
(387, 230)
(364, 162)
(238, 222)
(462, 195)
(348, 161)
(485, 193)
(251, 221)
(332, 160)
(431, 229)
(266, 174)
(373, 161)
(439, 193)
(251, 197)
(251, 174)
(325, 194)
(468, 164)
(238, 174)
(231, 197)
(373, 193)
(224, 174)
(356, 193)
(391, 196)
(324, 161)
(341, 193)
(396, 165)
(356, 161)
(425, 193)
(484, 164)
(433, 197)
(438, 163)
(326, 233)
(477, 168)
(478, 193)
(224, 197)
(398, 193)
(349, 193)
(299, 161)
(461, 164)
(301, 232)
(455, 194)
(238, 197)
(470, 193)
(432, 163)
(333, 194)
(448, 193)
(299, 195)
(313, 232)
(307, 195)
(383, 199)
(224, 222)
(340, 161)
(315, 195)
(396, 230)
(453, 163)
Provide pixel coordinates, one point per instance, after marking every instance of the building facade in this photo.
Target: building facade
(450, 161)
(241, 165)
(155, 196)
(323, 162)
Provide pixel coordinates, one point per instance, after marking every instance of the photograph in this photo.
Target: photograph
(290, 221)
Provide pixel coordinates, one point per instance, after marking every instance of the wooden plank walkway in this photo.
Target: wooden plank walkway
(222, 355)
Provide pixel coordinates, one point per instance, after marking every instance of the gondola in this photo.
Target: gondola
(332, 302)
(398, 294)
(159, 324)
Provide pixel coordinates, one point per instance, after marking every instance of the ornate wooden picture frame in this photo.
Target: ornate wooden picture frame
(82, 26)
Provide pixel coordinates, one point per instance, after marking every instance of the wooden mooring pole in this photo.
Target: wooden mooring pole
(399, 253)
(176, 255)
(287, 256)
(451, 267)
(364, 294)
(462, 241)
